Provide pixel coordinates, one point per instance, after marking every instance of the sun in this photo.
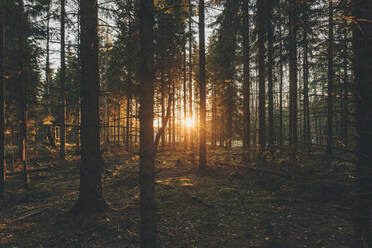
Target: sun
(189, 122)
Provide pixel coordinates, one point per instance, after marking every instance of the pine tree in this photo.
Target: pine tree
(145, 76)
(203, 123)
(91, 163)
(362, 49)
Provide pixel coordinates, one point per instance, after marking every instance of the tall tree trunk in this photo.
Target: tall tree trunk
(2, 100)
(146, 79)
(173, 114)
(184, 97)
(362, 48)
(91, 163)
(346, 92)
(190, 79)
(330, 79)
(127, 122)
(50, 137)
(202, 85)
(162, 107)
(306, 123)
(270, 54)
(23, 101)
(281, 89)
(229, 112)
(293, 139)
(246, 81)
(129, 92)
(214, 116)
(62, 151)
(261, 4)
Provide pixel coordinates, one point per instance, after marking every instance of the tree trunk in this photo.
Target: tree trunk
(127, 147)
(146, 79)
(2, 101)
(162, 106)
(173, 114)
(91, 163)
(214, 116)
(330, 79)
(50, 138)
(362, 48)
(202, 85)
(270, 51)
(306, 123)
(346, 92)
(281, 89)
(190, 79)
(23, 102)
(246, 81)
(293, 139)
(184, 97)
(261, 4)
(62, 151)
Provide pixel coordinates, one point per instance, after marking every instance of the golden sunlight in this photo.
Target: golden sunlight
(189, 122)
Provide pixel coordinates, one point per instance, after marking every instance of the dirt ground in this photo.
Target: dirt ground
(234, 205)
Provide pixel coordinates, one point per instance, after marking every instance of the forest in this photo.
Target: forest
(186, 123)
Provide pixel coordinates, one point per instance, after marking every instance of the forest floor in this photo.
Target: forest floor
(234, 205)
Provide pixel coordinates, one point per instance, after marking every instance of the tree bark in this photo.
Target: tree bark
(202, 84)
(261, 72)
(246, 80)
(306, 123)
(362, 48)
(270, 54)
(50, 138)
(281, 89)
(23, 101)
(62, 151)
(2, 101)
(330, 79)
(91, 163)
(145, 77)
(293, 139)
(184, 97)
(190, 79)
(346, 92)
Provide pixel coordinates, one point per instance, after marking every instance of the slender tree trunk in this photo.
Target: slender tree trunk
(50, 138)
(190, 79)
(362, 48)
(246, 81)
(127, 122)
(62, 151)
(281, 89)
(23, 101)
(346, 92)
(306, 123)
(330, 79)
(261, 4)
(173, 114)
(91, 163)
(162, 106)
(214, 116)
(2, 101)
(256, 111)
(270, 34)
(184, 97)
(169, 101)
(293, 139)
(229, 112)
(202, 85)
